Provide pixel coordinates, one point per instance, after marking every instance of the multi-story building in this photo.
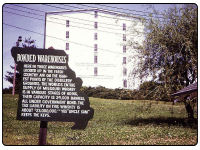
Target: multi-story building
(96, 43)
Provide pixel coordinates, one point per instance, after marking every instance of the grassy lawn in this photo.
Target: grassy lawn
(115, 122)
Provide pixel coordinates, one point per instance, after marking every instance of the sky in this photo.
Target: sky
(15, 15)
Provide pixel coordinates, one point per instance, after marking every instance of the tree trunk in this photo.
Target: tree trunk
(189, 109)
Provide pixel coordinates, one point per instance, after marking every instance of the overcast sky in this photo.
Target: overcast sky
(12, 12)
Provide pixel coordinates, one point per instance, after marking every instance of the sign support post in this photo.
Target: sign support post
(43, 133)
(14, 78)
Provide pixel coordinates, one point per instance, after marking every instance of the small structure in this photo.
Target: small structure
(186, 95)
(190, 90)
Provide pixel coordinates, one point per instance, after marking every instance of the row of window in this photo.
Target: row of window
(96, 71)
(95, 35)
(124, 58)
(96, 25)
(96, 49)
(124, 62)
(95, 45)
(96, 59)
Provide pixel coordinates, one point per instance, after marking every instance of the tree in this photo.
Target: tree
(28, 42)
(169, 53)
(170, 49)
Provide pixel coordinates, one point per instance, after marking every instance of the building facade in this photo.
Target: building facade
(96, 42)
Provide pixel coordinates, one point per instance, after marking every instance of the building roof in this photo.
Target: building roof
(188, 89)
(95, 9)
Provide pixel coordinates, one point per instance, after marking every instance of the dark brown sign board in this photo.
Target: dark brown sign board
(49, 90)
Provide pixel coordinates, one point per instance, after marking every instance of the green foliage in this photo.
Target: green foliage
(100, 92)
(7, 90)
(147, 91)
(28, 42)
(170, 49)
(151, 90)
(10, 76)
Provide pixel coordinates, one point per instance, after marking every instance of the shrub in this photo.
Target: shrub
(7, 90)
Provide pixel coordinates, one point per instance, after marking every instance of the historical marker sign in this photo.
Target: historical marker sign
(49, 89)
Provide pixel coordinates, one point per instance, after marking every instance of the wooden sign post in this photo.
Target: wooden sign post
(14, 78)
(49, 90)
(43, 133)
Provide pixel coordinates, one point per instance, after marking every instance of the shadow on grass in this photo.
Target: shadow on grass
(171, 121)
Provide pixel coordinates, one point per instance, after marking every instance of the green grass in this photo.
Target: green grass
(115, 122)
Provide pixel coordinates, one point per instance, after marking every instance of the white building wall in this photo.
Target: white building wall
(81, 45)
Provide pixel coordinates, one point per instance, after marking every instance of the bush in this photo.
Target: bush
(102, 92)
(7, 90)
(149, 90)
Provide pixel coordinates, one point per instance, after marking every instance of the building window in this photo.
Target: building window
(95, 59)
(67, 46)
(95, 25)
(95, 71)
(67, 23)
(124, 71)
(124, 48)
(124, 60)
(95, 14)
(124, 37)
(67, 34)
(125, 83)
(95, 36)
(95, 47)
(124, 27)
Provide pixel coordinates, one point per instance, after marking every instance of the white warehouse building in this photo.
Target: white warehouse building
(96, 43)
